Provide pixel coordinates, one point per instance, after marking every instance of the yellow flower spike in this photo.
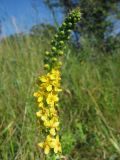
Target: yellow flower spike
(50, 85)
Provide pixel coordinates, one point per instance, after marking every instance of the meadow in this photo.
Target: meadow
(89, 106)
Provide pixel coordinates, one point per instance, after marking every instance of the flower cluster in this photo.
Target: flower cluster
(47, 98)
(49, 86)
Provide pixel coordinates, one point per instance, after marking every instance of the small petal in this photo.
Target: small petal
(52, 132)
(49, 88)
(41, 144)
(40, 99)
(47, 149)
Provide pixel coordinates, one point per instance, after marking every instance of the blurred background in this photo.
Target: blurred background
(90, 78)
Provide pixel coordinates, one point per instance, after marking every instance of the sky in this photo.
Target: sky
(21, 15)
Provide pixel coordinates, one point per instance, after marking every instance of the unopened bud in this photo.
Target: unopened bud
(60, 53)
(62, 32)
(56, 36)
(54, 59)
(53, 48)
(61, 42)
(46, 66)
(64, 24)
(69, 24)
(47, 53)
(68, 37)
(59, 63)
(69, 30)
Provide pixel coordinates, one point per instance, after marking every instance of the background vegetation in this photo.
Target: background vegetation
(90, 102)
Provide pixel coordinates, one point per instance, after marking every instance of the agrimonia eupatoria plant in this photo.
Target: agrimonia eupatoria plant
(49, 86)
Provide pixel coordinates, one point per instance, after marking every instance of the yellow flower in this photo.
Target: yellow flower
(44, 79)
(41, 104)
(55, 74)
(36, 94)
(51, 99)
(53, 111)
(38, 114)
(40, 98)
(43, 114)
(52, 131)
(47, 144)
(49, 88)
(55, 83)
(53, 123)
(56, 145)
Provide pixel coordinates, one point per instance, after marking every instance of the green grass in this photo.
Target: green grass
(89, 107)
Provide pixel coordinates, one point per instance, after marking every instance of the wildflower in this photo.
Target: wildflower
(43, 114)
(53, 123)
(40, 98)
(56, 145)
(36, 94)
(50, 86)
(46, 145)
(51, 99)
(53, 112)
(41, 104)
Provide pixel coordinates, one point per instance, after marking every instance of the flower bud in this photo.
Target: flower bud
(53, 42)
(54, 59)
(60, 52)
(47, 53)
(62, 32)
(69, 24)
(56, 36)
(64, 24)
(69, 30)
(54, 49)
(68, 37)
(75, 19)
(59, 64)
(46, 66)
(61, 42)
